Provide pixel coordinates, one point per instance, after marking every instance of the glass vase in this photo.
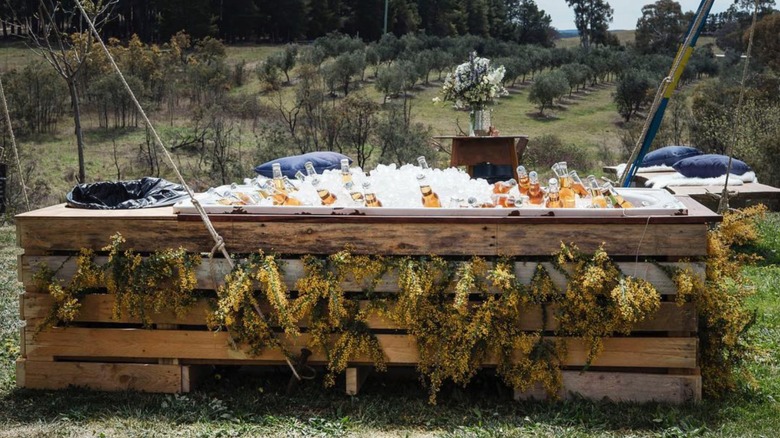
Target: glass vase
(479, 122)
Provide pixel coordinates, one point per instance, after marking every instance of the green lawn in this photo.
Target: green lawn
(252, 403)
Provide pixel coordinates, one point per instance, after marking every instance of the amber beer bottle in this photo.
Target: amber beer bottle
(614, 198)
(503, 187)
(596, 197)
(523, 182)
(281, 198)
(577, 185)
(553, 195)
(535, 193)
(429, 198)
(326, 197)
(370, 196)
(355, 194)
(564, 181)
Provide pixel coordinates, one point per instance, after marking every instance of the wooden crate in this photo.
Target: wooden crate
(100, 352)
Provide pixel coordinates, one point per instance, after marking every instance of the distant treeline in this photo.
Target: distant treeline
(155, 21)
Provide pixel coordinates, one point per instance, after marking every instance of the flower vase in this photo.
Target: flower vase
(479, 122)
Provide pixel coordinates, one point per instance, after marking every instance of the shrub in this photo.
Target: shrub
(547, 150)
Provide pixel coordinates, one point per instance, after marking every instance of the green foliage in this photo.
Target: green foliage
(269, 74)
(766, 48)
(546, 88)
(36, 99)
(544, 151)
(661, 27)
(400, 139)
(633, 92)
(592, 18)
(341, 72)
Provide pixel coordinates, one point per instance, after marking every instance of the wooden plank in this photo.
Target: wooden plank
(99, 308)
(50, 230)
(21, 376)
(211, 273)
(624, 387)
(355, 377)
(103, 376)
(399, 349)
(618, 240)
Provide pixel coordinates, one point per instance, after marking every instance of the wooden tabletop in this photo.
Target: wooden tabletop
(697, 213)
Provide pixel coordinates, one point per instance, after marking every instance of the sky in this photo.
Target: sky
(627, 12)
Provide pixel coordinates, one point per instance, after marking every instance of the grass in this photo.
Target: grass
(251, 402)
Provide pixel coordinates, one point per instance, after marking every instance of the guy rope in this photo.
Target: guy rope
(16, 151)
(219, 243)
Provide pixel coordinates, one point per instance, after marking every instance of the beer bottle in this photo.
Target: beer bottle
(279, 184)
(326, 197)
(429, 198)
(422, 162)
(522, 182)
(370, 196)
(503, 187)
(355, 194)
(553, 195)
(346, 175)
(310, 170)
(566, 193)
(597, 199)
(535, 193)
(577, 185)
(281, 198)
(614, 198)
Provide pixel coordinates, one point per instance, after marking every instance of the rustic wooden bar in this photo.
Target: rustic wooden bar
(107, 353)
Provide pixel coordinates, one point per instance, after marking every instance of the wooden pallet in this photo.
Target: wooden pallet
(106, 353)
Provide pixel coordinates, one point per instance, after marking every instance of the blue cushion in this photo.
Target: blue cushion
(710, 166)
(667, 156)
(290, 165)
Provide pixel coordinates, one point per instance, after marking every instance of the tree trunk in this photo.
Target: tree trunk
(74, 100)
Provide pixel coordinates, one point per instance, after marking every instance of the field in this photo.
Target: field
(250, 402)
(587, 119)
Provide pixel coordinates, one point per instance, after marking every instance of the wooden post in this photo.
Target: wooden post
(356, 376)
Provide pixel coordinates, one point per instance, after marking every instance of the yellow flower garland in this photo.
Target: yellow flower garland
(454, 333)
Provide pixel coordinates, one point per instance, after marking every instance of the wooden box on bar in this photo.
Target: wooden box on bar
(657, 362)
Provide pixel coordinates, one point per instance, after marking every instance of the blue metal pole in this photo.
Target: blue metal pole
(681, 60)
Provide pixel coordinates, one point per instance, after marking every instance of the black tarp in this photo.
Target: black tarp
(125, 195)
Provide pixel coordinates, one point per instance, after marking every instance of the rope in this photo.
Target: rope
(219, 242)
(659, 95)
(13, 144)
(723, 205)
(203, 215)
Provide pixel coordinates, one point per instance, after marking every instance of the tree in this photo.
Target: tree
(766, 44)
(546, 88)
(343, 69)
(633, 91)
(592, 18)
(359, 115)
(529, 24)
(65, 45)
(661, 27)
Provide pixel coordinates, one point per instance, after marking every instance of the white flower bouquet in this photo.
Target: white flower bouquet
(474, 84)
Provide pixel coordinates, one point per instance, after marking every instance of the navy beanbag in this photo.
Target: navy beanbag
(710, 166)
(667, 156)
(290, 165)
